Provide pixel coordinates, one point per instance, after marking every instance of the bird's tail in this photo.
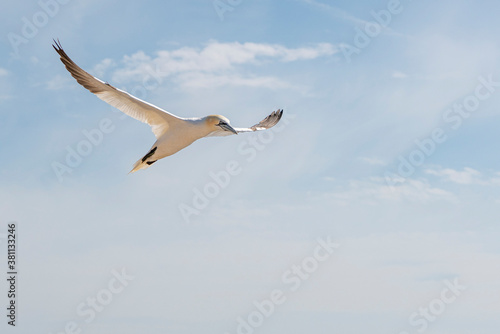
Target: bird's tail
(139, 165)
(144, 163)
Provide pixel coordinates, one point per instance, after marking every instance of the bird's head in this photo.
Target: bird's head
(218, 123)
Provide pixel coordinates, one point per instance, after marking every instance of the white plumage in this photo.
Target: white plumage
(173, 133)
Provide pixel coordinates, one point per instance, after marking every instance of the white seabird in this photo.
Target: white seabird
(173, 133)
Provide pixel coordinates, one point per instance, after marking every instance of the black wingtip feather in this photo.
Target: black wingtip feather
(57, 45)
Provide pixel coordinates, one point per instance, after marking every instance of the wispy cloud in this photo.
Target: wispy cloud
(216, 64)
(375, 190)
(399, 75)
(205, 80)
(467, 176)
(335, 12)
(101, 68)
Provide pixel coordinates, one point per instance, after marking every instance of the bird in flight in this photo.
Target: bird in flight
(173, 133)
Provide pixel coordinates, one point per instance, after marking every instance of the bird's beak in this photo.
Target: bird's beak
(228, 127)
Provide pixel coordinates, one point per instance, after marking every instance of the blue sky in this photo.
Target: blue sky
(388, 148)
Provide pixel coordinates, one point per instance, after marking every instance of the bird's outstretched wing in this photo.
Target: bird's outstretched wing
(265, 124)
(157, 118)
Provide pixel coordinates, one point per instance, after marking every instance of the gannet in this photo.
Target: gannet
(173, 133)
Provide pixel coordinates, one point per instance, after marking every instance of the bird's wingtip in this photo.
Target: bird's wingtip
(57, 44)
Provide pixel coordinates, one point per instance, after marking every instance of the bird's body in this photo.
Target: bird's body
(172, 133)
(178, 137)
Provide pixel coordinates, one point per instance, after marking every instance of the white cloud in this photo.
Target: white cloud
(3, 72)
(206, 80)
(216, 64)
(103, 66)
(399, 75)
(376, 189)
(467, 176)
(322, 49)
